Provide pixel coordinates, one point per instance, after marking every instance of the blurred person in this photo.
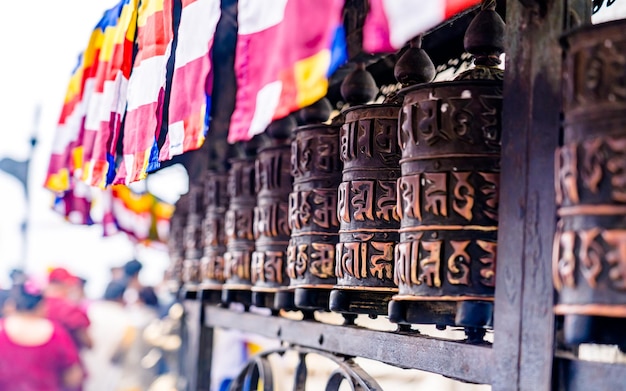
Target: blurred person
(62, 308)
(138, 359)
(131, 279)
(35, 353)
(109, 324)
(17, 277)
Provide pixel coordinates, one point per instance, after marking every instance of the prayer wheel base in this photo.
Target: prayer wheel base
(468, 314)
(211, 296)
(276, 300)
(312, 299)
(189, 292)
(243, 297)
(365, 302)
(579, 329)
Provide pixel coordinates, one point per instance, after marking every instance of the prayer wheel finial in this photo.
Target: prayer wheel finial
(484, 39)
(414, 66)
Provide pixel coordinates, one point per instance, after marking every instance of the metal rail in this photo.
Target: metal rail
(454, 359)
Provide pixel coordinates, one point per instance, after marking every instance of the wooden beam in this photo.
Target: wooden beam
(524, 320)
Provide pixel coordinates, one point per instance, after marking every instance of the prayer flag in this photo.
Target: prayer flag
(142, 216)
(146, 91)
(390, 24)
(192, 80)
(286, 50)
(108, 100)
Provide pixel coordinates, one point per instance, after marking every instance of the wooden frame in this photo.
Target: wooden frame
(524, 355)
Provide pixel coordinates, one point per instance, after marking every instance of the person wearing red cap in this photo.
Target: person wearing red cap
(35, 353)
(63, 310)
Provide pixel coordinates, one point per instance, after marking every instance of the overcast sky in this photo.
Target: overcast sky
(40, 41)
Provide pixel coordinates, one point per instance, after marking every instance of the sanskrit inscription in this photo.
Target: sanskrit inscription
(433, 262)
(585, 168)
(367, 259)
(317, 258)
(313, 208)
(267, 267)
(594, 256)
(448, 195)
(367, 200)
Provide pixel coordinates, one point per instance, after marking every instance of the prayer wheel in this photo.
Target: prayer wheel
(239, 226)
(271, 218)
(590, 241)
(193, 238)
(316, 169)
(212, 262)
(366, 201)
(449, 134)
(175, 244)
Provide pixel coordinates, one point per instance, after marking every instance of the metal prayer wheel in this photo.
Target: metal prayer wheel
(175, 243)
(212, 263)
(271, 218)
(239, 228)
(316, 169)
(449, 134)
(366, 209)
(590, 241)
(193, 238)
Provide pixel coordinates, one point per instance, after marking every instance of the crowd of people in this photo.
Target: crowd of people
(54, 338)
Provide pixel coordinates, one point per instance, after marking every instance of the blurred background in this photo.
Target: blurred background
(40, 41)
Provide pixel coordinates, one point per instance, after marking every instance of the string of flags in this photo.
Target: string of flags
(141, 91)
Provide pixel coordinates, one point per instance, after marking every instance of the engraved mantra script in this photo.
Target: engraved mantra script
(363, 260)
(319, 258)
(267, 266)
(214, 267)
(315, 154)
(420, 262)
(592, 251)
(451, 119)
(237, 264)
(367, 201)
(313, 207)
(435, 193)
(588, 164)
(271, 220)
(369, 138)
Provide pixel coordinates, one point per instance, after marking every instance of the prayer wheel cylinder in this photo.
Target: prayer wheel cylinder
(590, 241)
(212, 263)
(239, 231)
(316, 169)
(271, 218)
(449, 134)
(194, 241)
(366, 210)
(176, 244)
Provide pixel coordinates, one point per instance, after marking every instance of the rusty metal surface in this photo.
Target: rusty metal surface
(366, 207)
(216, 200)
(271, 218)
(448, 194)
(239, 224)
(316, 170)
(193, 236)
(457, 360)
(590, 184)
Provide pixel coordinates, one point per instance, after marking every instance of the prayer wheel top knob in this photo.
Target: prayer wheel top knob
(484, 39)
(281, 129)
(243, 149)
(316, 113)
(359, 87)
(414, 66)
